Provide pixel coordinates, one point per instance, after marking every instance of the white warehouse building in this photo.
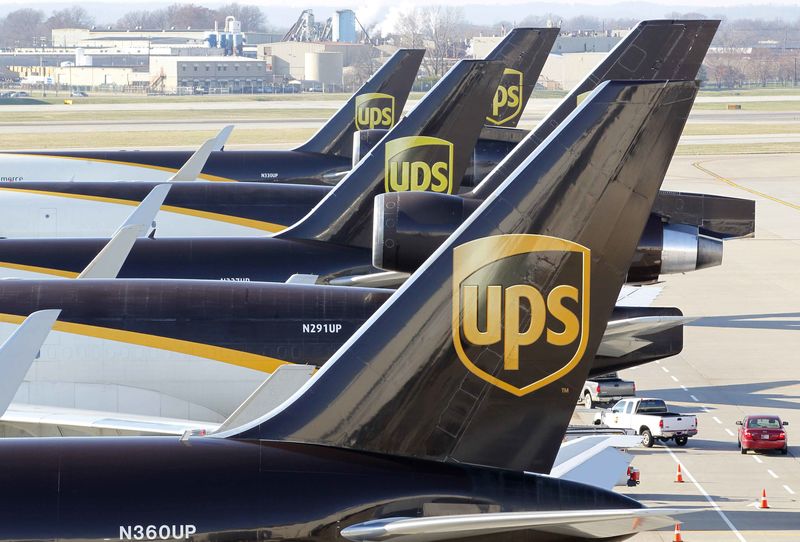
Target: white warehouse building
(212, 73)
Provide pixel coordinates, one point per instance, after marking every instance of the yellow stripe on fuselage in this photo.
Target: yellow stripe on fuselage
(270, 227)
(203, 176)
(256, 362)
(40, 270)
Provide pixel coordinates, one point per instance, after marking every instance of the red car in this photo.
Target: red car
(762, 432)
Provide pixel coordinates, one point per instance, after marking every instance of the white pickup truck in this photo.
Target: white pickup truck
(650, 419)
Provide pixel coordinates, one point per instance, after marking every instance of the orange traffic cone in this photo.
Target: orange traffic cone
(764, 499)
(677, 537)
(679, 476)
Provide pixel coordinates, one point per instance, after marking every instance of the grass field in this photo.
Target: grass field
(46, 115)
(787, 106)
(739, 148)
(739, 129)
(282, 138)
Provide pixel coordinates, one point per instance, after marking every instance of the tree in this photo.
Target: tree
(443, 28)
(22, 28)
(182, 16)
(72, 17)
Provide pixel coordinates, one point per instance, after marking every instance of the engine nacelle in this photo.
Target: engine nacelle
(364, 141)
(409, 226)
(666, 249)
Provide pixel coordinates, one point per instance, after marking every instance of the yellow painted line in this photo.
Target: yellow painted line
(746, 189)
(239, 221)
(40, 270)
(129, 164)
(256, 362)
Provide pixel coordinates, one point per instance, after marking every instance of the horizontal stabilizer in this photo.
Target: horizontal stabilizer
(625, 336)
(52, 420)
(594, 460)
(598, 524)
(384, 279)
(278, 387)
(19, 351)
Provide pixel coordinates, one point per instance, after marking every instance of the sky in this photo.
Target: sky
(279, 13)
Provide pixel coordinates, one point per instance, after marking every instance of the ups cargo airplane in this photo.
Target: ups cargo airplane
(670, 49)
(431, 422)
(323, 159)
(333, 241)
(194, 349)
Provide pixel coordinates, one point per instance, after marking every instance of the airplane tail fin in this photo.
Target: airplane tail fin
(428, 151)
(524, 52)
(377, 104)
(481, 355)
(654, 50)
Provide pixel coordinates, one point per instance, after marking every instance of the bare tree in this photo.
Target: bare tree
(71, 17)
(21, 28)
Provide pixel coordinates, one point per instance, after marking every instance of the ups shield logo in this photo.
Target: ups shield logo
(374, 110)
(507, 101)
(520, 309)
(419, 163)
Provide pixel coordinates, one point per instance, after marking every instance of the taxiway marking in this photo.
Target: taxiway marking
(772, 473)
(673, 378)
(664, 369)
(694, 398)
(717, 420)
(684, 388)
(740, 187)
(705, 494)
(758, 459)
(788, 489)
(729, 431)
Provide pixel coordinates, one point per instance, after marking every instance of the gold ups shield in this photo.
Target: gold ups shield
(419, 163)
(507, 101)
(520, 309)
(374, 110)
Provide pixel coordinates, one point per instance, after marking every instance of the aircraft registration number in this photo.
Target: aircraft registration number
(156, 532)
(322, 328)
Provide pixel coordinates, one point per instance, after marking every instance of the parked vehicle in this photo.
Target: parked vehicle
(762, 432)
(651, 419)
(606, 389)
(78, 94)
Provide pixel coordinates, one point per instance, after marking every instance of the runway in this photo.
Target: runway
(741, 357)
(79, 118)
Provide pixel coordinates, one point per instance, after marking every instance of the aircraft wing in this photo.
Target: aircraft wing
(109, 261)
(48, 421)
(19, 351)
(197, 161)
(600, 524)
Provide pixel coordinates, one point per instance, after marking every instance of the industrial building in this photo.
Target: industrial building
(211, 74)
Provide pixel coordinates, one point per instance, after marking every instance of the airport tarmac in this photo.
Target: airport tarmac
(742, 356)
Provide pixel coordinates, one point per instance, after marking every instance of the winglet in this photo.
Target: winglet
(196, 162)
(19, 351)
(109, 261)
(222, 137)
